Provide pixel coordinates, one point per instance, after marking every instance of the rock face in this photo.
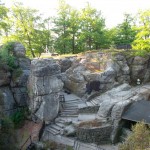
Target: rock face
(13, 84)
(44, 89)
(140, 69)
(65, 64)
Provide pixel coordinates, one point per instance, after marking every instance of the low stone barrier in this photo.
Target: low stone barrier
(97, 135)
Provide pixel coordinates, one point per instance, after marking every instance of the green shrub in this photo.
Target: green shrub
(6, 55)
(19, 117)
(138, 140)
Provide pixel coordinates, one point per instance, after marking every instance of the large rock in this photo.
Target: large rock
(20, 95)
(4, 77)
(24, 63)
(140, 69)
(7, 101)
(44, 88)
(19, 50)
(20, 78)
(48, 108)
(65, 64)
(74, 79)
(44, 67)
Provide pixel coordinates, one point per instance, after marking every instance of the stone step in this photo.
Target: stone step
(69, 118)
(63, 114)
(70, 110)
(53, 131)
(71, 104)
(70, 107)
(61, 125)
(89, 104)
(72, 100)
(54, 126)
(94, 101)
(69, 115)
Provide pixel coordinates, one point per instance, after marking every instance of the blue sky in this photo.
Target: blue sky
(112, 10)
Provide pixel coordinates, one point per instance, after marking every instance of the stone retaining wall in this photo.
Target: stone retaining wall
(89, 109)
(100, 135)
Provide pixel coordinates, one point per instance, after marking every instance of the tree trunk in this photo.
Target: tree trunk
(73, 44)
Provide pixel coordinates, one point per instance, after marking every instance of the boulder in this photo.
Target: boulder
(20, 95)
(24, 63)
(7, 101)
(140, 69)
(48, 109)
(20, 78)
(44, 87)
(19, 50)
(4, 77)
(45, 67)
(65, 64)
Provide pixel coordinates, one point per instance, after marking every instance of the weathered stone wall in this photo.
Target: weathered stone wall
(100, 135)
(89, 109)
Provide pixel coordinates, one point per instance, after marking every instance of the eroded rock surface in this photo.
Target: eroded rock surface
(44, 89)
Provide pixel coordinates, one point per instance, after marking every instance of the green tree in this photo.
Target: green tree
(124, 32)
(30, 29)
(142, 40)
(74, 25)
(3, 16)
(61, 28)
(92, 28)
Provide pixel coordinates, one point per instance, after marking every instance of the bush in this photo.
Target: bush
(6, 55)
(138, 140)
(19, 117)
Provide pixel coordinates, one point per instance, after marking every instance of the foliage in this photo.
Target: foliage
(139, 139)
(71, 30)
(124, 33)
(3, 16)
(19, 117)
(142, 40)
(6, 55)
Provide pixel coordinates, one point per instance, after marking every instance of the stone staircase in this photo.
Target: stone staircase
(93, 102)
(67, 115)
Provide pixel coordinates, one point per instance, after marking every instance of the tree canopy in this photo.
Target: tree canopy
(71, 30)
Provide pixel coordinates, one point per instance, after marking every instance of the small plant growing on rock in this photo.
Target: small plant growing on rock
(19, 117)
